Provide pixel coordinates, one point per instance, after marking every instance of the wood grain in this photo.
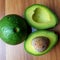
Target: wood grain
(17, 52)
(2, 44)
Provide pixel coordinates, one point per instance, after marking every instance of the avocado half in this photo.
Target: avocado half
(40, 16)
(51, 36)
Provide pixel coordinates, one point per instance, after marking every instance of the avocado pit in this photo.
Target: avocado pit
(40, 43)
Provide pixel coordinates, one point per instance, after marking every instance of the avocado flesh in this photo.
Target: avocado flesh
(40, 17)
(48, 34)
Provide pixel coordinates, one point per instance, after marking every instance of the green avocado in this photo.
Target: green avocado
(40, 16)
(40, 42)
(13, 29)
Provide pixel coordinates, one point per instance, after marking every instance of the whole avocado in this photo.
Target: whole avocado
(13, 29)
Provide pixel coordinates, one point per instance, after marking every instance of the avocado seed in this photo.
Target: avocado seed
(40, 43)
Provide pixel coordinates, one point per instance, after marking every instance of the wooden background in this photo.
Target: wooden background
(8, 52)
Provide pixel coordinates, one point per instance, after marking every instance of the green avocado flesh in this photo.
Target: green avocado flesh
(13, 29)
(40, 17)
(51, 36)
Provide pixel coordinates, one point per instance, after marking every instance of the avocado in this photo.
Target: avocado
(40, 42)
(13, 29)
(40, 16)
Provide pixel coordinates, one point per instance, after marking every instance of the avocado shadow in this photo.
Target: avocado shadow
(28, 26)
(29, 29)
(58, 37)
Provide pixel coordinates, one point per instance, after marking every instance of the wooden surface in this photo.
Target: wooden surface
(9, 52)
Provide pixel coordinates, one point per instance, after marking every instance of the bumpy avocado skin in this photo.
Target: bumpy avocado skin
(49, 49)
(53, 13)
(8, 32)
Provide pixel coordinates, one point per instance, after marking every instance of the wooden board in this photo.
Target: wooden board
(2, 44)
(9, 52)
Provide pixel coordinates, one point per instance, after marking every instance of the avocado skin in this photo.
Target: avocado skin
(48, 47)
(29, 28)
(56, 17)
(15, 38)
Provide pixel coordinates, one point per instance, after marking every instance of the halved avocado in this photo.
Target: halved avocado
(40, 16)
(40, 42)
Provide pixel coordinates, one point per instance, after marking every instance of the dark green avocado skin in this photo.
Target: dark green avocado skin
(29, 30)
(8, 27)
(45, 52)
(56, 17)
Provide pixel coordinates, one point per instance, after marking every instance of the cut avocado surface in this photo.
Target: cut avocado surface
(40, 16)
(13, 29)
(40, 42)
